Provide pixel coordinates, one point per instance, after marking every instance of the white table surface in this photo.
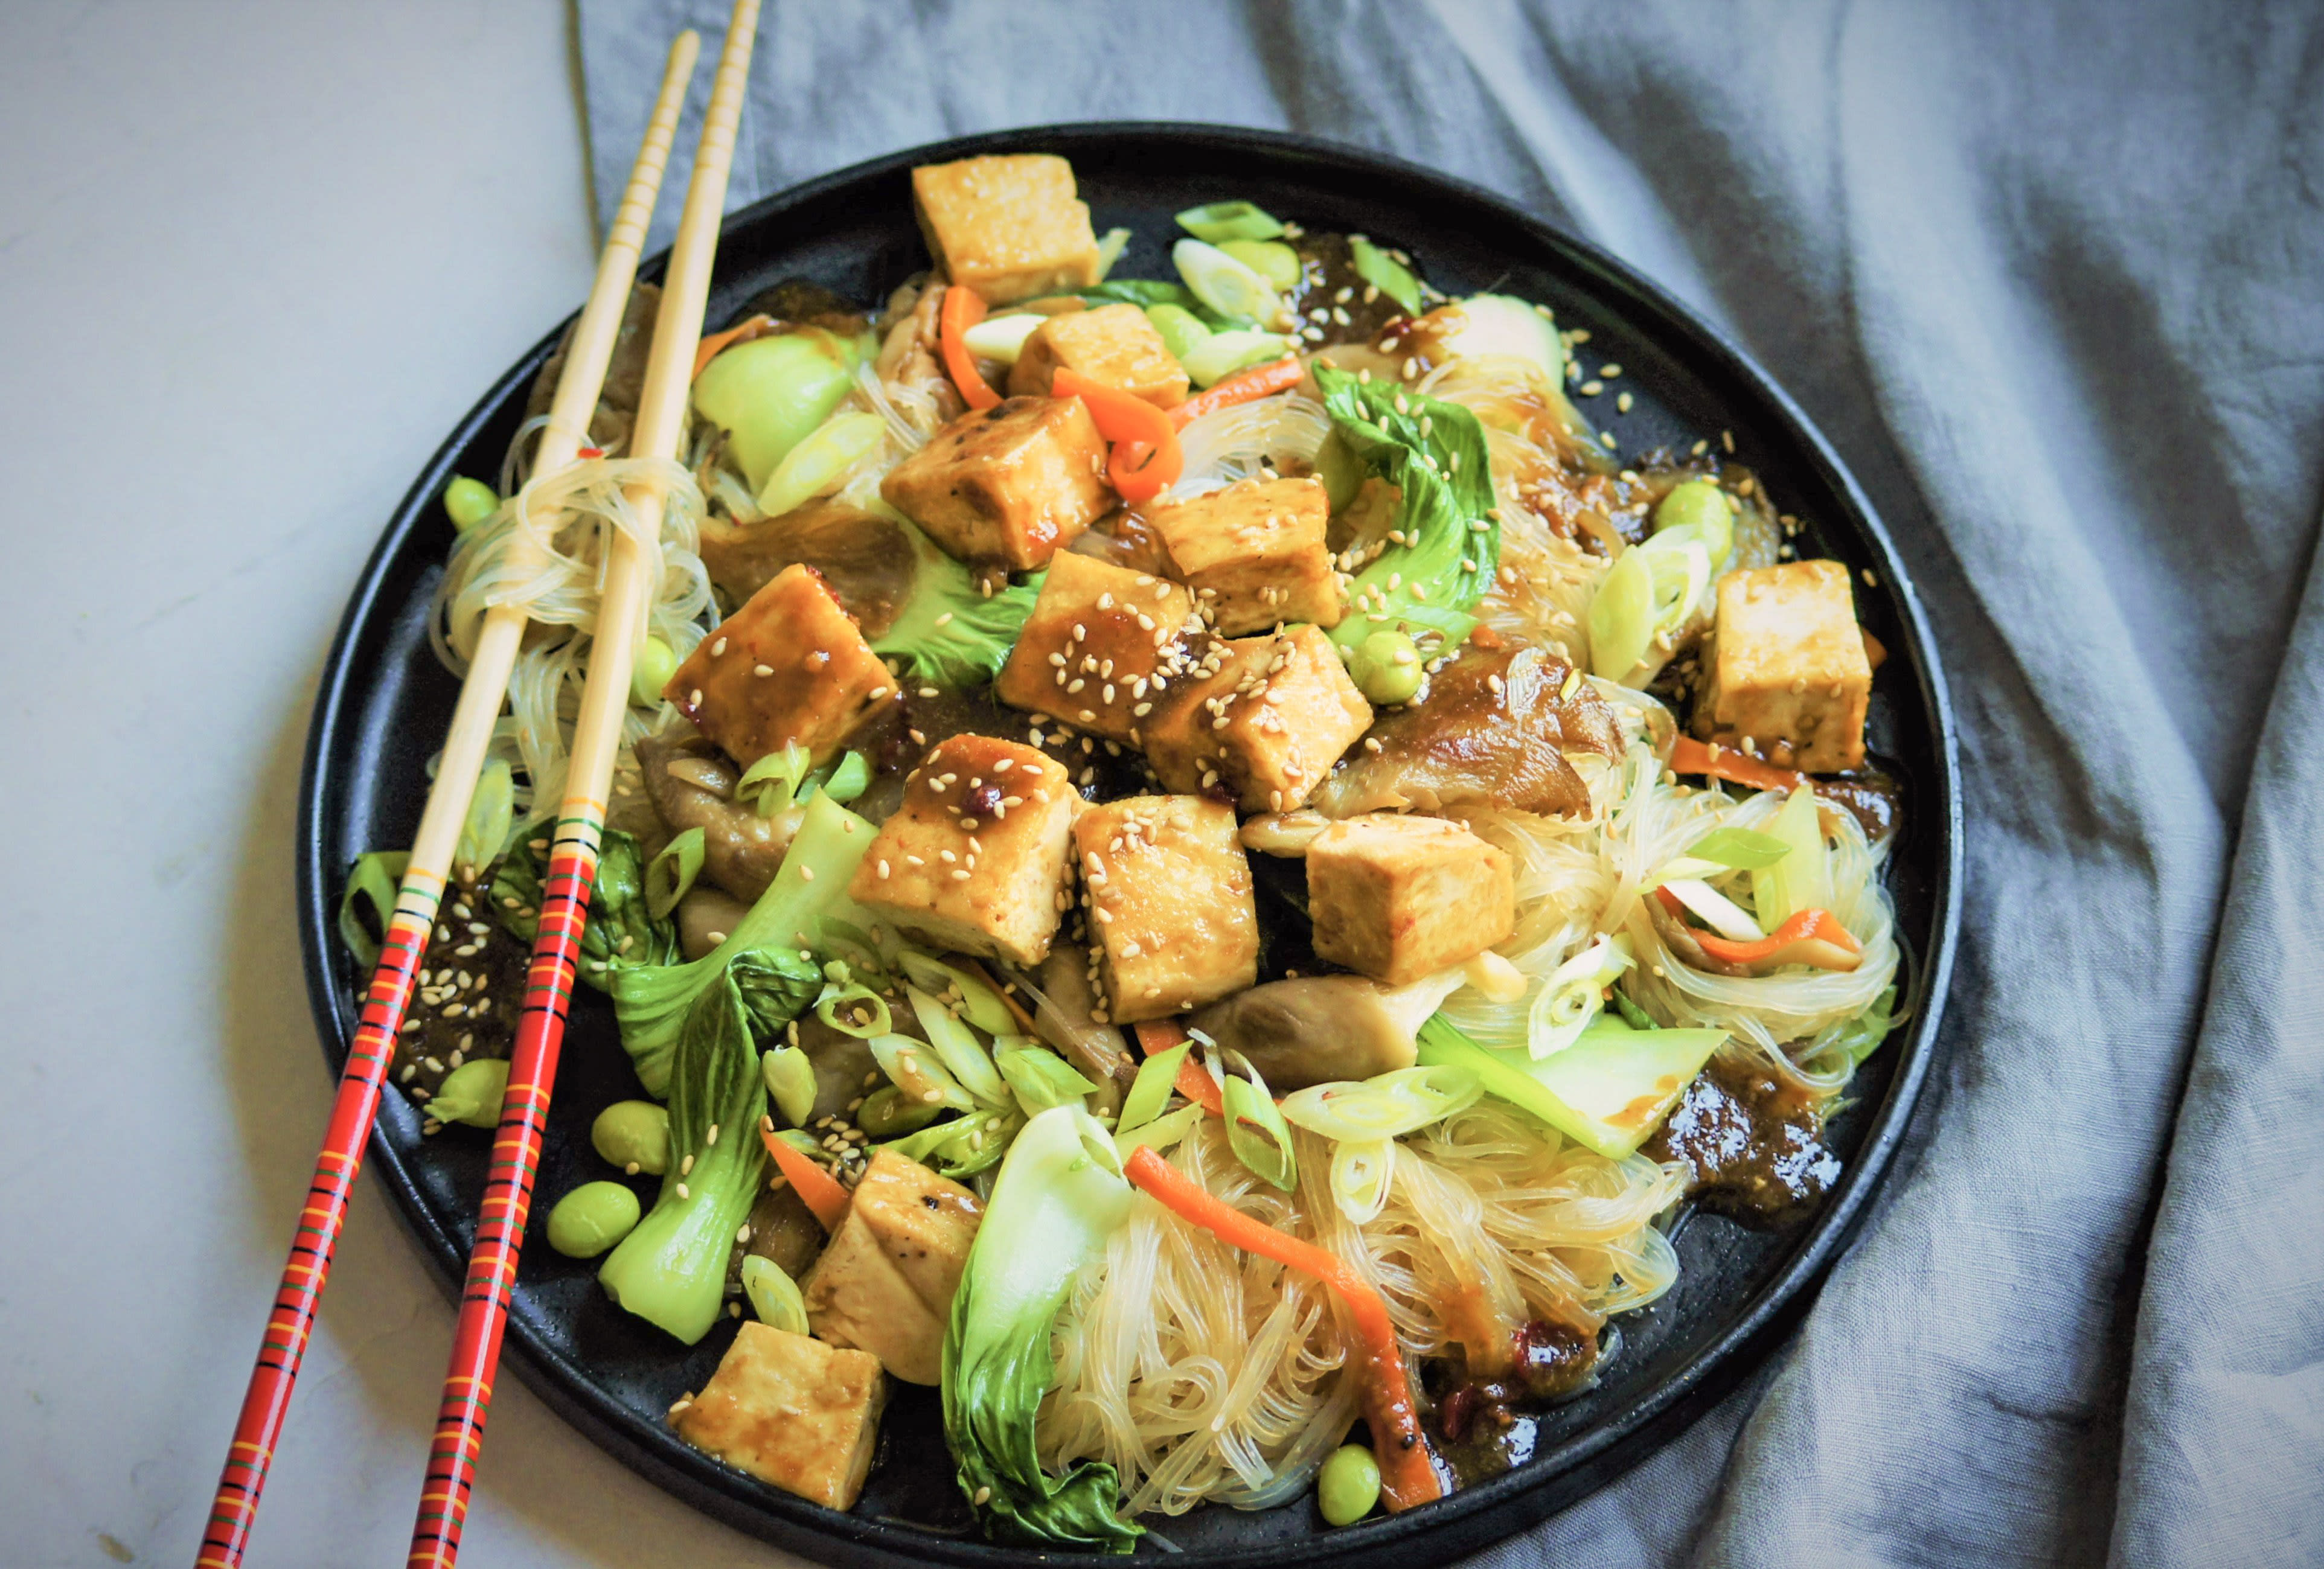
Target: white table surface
(254, 260)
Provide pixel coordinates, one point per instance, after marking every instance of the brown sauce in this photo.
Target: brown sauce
(1479, 1428)
(1753, 1146)
(1327, 267)
(1875, 801)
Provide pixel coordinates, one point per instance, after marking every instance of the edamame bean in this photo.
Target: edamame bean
(1348, 1486)
(469, 502)
(633, 1135)
(1702, 506)
(1387, 668)
(592, 1218)
(1272, 260)
(1182, 330)
(885, 1114)
(651, 671)
(471, 1093)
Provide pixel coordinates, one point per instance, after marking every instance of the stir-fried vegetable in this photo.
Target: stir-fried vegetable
(951, 631)
(1434, 453)
(1230, 286)
(1145, 460)
(623, 934)
(1059, 1196)
(770, 393)
(1386, 1107)
(1801, 878)
(1573, 995)
(818, 1188)
(1244, 386)
(1220, 221)
(1608, 1091)
(670, 875)
(962, 310)
(1384, 273)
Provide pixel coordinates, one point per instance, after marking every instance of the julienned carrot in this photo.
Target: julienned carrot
(962, 310)
(1689, 755)
(1146, 459)
(1242, 387)
(1811, 937)
(743, 333)
(1406, 1475)
(816, 1187)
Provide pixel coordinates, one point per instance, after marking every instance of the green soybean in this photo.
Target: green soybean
(1349, 1485)
(592, 1218)
(469, 502)
(650, 670)
(633, 1135)
(1272, 260)
(1387, 668)
(885, 1114)
(1702, 506)
(1182, 330)
(471, 1093)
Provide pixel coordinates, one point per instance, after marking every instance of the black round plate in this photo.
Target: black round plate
(385, 704)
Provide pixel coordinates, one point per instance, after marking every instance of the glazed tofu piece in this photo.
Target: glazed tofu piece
(1254, 554)
(1400, 897)
(1786, 676)
(1102, 648)
(1113, 344)
(1265, 721)
(884, 1284)
(975, 858)
(789, 666)
(1009, 227)
(1172, 916)
(1012, 483)
(792, 1411)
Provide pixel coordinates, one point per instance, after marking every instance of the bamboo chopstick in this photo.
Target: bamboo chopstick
(357, 1104)
(580, 824)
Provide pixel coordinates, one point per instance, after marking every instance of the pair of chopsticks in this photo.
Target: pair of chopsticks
(573, 857)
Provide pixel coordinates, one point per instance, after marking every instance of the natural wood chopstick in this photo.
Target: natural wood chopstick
(355, 1106)
(580, 824)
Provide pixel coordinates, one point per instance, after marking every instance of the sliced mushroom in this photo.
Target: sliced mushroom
(866, 561)
(1284, 834)
(691, 784)
(1322, 1030)
(1064, 1016)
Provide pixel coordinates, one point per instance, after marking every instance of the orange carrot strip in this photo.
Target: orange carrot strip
(1811, 937)
(1407, 1476)
(1157, 1036)
(962, 310)
(1146, 460)
(816, 1186)
(1689, 755)
(1242, 387)
(754, 328)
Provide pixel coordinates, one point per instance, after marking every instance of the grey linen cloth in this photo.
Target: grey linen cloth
(2052, 278)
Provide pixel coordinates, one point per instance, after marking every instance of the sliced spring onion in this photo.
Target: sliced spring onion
(1742, 849)
(1719, 912)
(370, 888)
(1110, 246)
(850, 780)
(957, 1050)
(1158, 1075)
(1608, 1093)
(1222, 353)
(964, 1145)
(774, 1295)
(790, 1081)
(1574, 995)
(1002, 337)
(979, 1001)
(1272, 260)
(773, 782)
(821, 463)
(1384, 273)
(1159, 1132)
(670, 875)
(1702, 506)
(1229, 220)
(1041, 1078)
(853, 995)
(1383, 1107)
(1256, 1131)
(1622, 617)
(1227, 286)
(913, 1067)
(1680, 565)
(1362, 1172)
(1802, 879)
(492, 817)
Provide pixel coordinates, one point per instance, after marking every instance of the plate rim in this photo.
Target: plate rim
(1475, 1517)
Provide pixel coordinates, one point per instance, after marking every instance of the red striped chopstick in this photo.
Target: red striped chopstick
(573, 854)
(291, 1324)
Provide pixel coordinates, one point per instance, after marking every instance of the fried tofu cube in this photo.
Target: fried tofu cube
(1786, 676)
(792, 1411)
(789, 667)
(884, 1284)
(1172, 911)
(1012, 483)
(1399, 897)
(1114, 344)
(1254, 554)
(975, 860)
(1101, 649)
(1265, 723)
(1008, 227)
